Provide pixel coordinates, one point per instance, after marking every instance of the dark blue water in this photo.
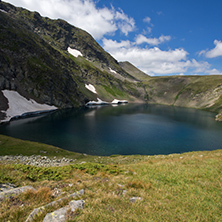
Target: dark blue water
(125, 129)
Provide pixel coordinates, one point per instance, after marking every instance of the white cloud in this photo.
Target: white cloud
(147, 19)
(149, 30)
(83, 14)
(159, 13)
(152, 41)
(124, 22)
(217, 51)
(112, 45)
(154, 61)
(214, 72)
(100, 22)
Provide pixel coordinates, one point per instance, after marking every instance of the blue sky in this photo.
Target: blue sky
(161, 37)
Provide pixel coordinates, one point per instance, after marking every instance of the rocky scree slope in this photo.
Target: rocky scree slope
(34, 61)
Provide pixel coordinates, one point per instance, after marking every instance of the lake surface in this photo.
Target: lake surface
(125, 129)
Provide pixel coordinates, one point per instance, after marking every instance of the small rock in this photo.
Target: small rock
(76, 204)
(124, 192)
(60, 214)
(56, 192)
(57, 216)
(14, 191)
(134, 199)
(7, 186)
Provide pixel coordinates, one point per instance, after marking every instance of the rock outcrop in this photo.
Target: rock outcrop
(14, 191)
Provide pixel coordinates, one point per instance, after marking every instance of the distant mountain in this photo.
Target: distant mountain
(51, 62)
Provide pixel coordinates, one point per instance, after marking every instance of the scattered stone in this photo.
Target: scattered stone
(57, 192)
(57, 216)
(124, 192)
(83, 162)
(76, 204)
(14, 192)
(61, 214)
(38, 211)
(134, 199)
(35, 160)
(6, 186)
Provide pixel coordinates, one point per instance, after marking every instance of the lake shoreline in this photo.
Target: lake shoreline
(109, 130)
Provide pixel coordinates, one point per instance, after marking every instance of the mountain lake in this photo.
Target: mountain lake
(124, 129)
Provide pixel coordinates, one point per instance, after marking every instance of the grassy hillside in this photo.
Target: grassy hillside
(176, 187)
(132, 70)
(202, 92)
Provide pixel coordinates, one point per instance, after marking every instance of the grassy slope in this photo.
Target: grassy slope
(133, 71)
(176, 187)
(201, 92)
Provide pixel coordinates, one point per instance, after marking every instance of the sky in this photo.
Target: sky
(160, 37)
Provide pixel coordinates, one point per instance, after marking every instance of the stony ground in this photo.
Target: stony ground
(37, 160)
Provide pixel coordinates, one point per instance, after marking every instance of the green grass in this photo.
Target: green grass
(176, 187)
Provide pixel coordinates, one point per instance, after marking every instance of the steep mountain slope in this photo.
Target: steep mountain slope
(35, 62)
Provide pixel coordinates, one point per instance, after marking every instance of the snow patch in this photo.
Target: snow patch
(1, 10)
(116, 101)
(98, 102)
(91, 88)
(111, 70)
(74, 52)
(19, 105)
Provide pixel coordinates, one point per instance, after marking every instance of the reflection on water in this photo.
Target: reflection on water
(125, 129)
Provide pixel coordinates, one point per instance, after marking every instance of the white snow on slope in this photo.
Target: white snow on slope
(111, 70)
(91, 88)
(74, 52)
(19, 105)
(116, 101)
(95, 103)
(1, 10)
